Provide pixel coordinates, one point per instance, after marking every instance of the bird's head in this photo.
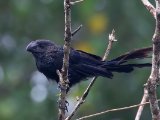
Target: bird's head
(40, 46)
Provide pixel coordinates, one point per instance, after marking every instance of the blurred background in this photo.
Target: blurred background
(25, 94)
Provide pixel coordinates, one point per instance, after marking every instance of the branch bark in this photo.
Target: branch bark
(153, 80)
(63, 76)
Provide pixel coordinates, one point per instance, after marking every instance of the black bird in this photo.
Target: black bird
(49, 58)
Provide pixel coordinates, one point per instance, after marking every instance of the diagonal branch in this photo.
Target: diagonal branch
(85, 94)
(149, 7)
(76, 30)
(144, 99)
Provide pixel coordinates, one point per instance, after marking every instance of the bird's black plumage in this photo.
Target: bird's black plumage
(49, 59)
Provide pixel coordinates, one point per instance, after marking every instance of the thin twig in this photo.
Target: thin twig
(149, 7)
(75, 2)
(111, 40)
(63, 76)
(144, 100)
(113, 110)
(76, 30)
(85, 94)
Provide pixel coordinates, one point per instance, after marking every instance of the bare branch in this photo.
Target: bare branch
(153, 80)
(144, 100)
(113, 110)
(61, 100)
(76, 30)
(63, 76)
(75, 2)
(85, 94)
(154, 77)
(111, 40)
(150, 7)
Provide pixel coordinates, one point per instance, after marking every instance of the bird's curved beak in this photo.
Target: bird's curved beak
(31, 46)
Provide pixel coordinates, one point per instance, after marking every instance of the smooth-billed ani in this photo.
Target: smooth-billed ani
(49, 59)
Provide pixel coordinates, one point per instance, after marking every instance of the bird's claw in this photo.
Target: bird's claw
(60, 87)
(67, 103)
(63, 106)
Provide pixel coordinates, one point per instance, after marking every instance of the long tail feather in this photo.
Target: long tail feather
(128, 67)
(118, 64)
(135, 54)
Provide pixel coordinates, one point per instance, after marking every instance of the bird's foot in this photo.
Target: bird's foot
(63, 88)
(63, 105)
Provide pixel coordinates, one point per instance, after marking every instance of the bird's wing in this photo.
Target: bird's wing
(87, 64)
(81, 57)
(90, 71)
(92, 56)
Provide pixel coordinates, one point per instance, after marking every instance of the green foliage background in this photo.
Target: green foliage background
(22, 21)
